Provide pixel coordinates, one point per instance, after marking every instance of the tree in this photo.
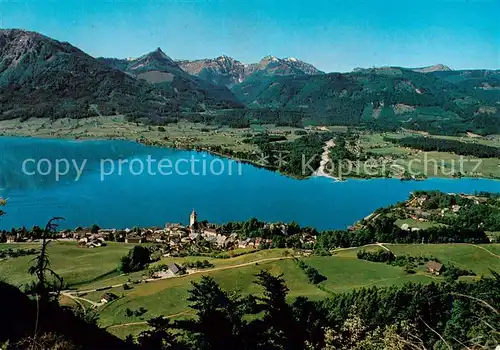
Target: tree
(90, 316)
(278, 326)
(95, 229)
(136, 259)
(158, 337)
(45, 286)
(219, 322)
(3, 236)
(3, 202)
(48, 283)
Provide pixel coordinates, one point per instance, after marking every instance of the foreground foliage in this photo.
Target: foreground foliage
(412, 316)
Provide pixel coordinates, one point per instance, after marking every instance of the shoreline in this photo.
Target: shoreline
(317, 174)
(43, 131)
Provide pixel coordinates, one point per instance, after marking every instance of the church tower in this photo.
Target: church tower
(192, 218)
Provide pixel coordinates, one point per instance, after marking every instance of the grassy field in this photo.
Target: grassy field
(430, 164)
(167, 297)
(86, 269)
(78, 266)
(181, 134)
(417, 224)
(344, 272)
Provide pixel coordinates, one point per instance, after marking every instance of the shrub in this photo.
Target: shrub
(381, 255)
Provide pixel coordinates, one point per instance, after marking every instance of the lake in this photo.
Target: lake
(124, 184)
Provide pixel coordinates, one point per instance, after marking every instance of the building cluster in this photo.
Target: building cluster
(416, 211)
(177, 235)
(173, 236)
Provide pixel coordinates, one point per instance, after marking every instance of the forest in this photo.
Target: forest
(444, 145)
(383, 229)
(472, 214)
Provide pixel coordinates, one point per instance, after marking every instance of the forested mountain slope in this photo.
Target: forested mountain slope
(386, 98)
(159, 69)
(42, 77)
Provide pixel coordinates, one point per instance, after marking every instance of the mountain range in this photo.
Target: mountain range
(227, 71)
(42, 77)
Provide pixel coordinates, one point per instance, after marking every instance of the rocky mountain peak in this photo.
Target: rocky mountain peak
(435, 68)
(15, 44)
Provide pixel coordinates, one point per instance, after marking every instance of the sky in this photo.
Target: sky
(333, 35)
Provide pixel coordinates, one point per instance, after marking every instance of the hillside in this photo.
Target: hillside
(384, 98)
(51, 324)
(160, 70)
(42, 77)
(483, 84)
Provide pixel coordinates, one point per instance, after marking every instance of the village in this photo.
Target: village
(174, 238)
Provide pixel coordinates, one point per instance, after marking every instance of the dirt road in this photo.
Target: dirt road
(325, 159)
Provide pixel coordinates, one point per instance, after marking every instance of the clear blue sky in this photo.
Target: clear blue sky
(333, 35)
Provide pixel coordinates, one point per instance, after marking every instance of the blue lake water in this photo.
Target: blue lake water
(158, 195)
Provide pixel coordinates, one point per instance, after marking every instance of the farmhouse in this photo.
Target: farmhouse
(434, 267)
(107, 297)
(174, 268)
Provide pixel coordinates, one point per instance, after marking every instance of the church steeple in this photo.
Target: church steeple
(192, 218)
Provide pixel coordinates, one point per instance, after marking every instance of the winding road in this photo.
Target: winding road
(74, 294)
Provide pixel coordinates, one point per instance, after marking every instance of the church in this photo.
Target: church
(193, 220)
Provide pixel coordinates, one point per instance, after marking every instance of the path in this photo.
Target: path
(483, 248)
(71, 294)
(325, 158)
(77, 299)
(383, 246)
(146, 322)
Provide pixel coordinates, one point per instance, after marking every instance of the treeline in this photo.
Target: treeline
(198, 264)
(472, 215)
(444, 315)
(383, 229)
(476, 216)
(443, 145)
(22, 234)
(410, 263)
(440, 200)
(380, 255)
(313, 275)
(14, 253)
(275, 235)
(452, 272)
(254, 228)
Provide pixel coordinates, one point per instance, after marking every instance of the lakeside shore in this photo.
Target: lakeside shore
(226, 143)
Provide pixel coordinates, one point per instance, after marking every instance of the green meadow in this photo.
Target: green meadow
(85, 269)
(77, 265)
